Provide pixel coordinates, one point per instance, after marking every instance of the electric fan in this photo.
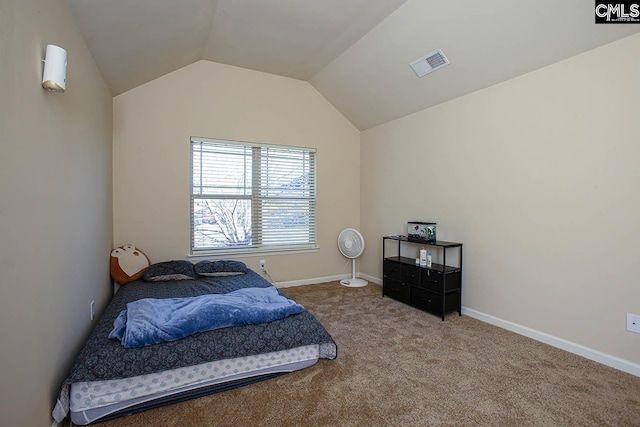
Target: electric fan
(351, 244)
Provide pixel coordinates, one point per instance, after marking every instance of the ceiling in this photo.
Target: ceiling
(356, 53)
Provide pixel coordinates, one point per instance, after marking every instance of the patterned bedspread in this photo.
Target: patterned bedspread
(102, 358)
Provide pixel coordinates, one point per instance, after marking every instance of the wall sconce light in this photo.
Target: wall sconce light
(54, 77)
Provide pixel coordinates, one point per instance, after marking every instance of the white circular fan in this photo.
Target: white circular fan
(351, 245)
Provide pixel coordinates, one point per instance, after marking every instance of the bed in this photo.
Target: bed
(108, 380)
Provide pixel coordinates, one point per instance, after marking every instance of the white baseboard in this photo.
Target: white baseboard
(313, 281)
(597, 356)
(370, 278)
(325, 279)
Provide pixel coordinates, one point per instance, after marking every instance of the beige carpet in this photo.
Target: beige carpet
(398, 366)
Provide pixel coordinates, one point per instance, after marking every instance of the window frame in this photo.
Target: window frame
(256, 199)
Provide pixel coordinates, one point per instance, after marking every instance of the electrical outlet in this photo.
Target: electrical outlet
(93, 309)
(633, 323)
(263, 264)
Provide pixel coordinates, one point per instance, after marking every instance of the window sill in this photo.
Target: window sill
(246, 253)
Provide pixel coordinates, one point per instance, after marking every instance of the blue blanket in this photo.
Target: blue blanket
(150, 321)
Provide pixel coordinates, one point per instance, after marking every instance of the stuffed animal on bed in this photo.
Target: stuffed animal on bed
(127, 263)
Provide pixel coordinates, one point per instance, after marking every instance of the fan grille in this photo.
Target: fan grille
(351, 243)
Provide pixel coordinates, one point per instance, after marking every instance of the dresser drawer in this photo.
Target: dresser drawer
(411, 274)
(439, 282)
(432, 280)
(396, 290)
(391, 269)
(432, 302)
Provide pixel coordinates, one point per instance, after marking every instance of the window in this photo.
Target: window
(248, 197)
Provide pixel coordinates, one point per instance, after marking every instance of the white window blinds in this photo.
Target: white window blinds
(251, 196)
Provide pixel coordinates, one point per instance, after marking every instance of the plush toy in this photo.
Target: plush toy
(127, 263)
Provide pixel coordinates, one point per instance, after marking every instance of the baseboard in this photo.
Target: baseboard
(325, 279)
(313, 281)
(597, 356)
(370, 278)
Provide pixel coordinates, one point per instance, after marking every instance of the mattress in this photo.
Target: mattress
(89, 394)
(92, 401)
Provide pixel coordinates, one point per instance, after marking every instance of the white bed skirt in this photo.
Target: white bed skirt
(91, 401)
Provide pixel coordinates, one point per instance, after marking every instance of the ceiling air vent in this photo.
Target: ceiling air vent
(428, 63)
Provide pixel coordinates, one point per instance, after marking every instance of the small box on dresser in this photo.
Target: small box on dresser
(420, 231)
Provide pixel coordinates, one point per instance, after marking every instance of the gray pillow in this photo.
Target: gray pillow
(220, 268)
(170, 270)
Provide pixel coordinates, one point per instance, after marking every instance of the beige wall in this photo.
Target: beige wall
(153, 124)
(56, 213)
(539, 178)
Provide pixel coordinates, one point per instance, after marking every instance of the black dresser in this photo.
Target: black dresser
(436, 289)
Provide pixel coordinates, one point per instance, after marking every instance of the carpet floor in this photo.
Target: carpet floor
(399, 366)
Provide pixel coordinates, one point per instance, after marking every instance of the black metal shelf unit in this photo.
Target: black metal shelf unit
(436, 289)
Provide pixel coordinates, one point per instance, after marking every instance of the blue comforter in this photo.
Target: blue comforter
(151, 321)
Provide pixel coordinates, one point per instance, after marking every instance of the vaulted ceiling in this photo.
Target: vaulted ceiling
(356, 53)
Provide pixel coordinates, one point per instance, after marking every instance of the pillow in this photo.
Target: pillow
(220, 268)
(170, 270)
(127, 263)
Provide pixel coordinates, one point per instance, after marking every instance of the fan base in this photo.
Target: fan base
(354, 283)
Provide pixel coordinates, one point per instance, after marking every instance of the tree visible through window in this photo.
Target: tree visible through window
(251, 196)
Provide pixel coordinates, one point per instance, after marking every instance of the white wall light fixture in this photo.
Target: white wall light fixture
(54, 77)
